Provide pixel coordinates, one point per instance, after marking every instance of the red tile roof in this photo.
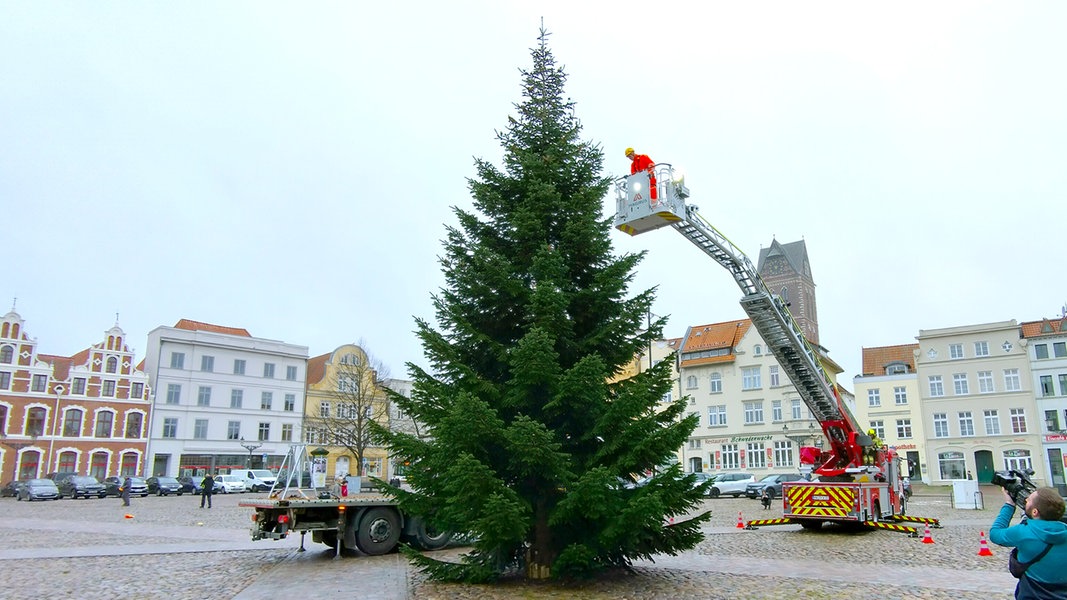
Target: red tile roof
(317, 368)
(876, 359)
(1044, 327)
(191, 325)
(60, 365)
(713, 336)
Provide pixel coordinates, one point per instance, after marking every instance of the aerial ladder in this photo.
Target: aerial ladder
(858, 479)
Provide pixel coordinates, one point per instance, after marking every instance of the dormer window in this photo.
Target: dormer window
(758, 350)
(896, 368)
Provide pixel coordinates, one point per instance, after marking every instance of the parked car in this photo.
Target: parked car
(256, 480)
(193, 484)
(164, 486)
(138, 487)
(773, 482)
(85, 486)
(732, 484)
(60, 477)
(231, 484)
(11, 489)
(702, 478)
(39, 489)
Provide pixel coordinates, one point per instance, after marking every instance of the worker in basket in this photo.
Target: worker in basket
(641, 162)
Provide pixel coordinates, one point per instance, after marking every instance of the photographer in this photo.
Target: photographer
(1041, 528)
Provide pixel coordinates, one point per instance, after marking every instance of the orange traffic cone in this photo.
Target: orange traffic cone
(926, 536)
(983, 547)
(740, 522)
(129, 516)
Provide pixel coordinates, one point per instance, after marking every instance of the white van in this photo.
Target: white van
(256, 480)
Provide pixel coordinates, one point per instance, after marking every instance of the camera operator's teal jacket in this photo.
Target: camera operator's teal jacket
(1030, 537)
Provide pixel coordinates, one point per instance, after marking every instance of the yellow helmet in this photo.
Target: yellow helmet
(629, 151)
(870, 432)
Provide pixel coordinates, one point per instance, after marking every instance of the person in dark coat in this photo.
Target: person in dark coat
(208, 488)
(125, 489)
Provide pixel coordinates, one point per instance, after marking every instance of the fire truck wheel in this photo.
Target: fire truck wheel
(429, 538)
(811, 525)
(379, 531)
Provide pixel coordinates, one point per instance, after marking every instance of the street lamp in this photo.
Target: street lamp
(251, 447)
(798, 436)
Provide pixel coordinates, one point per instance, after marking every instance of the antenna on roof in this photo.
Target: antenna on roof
(14, 301)
(1063, 311)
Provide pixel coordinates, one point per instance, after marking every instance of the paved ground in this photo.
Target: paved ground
(89, 549)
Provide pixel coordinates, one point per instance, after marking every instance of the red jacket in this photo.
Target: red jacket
(641, 162)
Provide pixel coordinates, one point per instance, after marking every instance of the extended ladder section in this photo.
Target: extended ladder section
(637, 213)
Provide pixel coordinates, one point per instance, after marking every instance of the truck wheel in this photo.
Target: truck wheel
(427, 537)
(379, 531)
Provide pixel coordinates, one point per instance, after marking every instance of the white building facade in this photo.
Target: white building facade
(1047, 349)
(222, 399)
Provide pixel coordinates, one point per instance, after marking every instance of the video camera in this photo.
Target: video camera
(1017, 483)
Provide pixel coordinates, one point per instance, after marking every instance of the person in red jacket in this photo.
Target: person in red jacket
(641, 162)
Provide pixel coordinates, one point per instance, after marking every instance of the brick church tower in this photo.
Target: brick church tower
(786, 271)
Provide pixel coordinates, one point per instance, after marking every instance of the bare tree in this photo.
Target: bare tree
(357, 398)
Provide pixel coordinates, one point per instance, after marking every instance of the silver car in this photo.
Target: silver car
(39, 489)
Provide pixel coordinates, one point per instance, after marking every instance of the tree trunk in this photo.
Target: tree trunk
(540, 555)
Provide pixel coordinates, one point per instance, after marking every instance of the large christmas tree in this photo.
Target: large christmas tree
(530, 436)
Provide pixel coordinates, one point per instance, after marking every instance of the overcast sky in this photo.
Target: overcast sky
(288, 167)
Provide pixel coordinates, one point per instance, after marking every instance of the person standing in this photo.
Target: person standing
(125, 489)
(208, 488)
(641, 162)
(1040, 539)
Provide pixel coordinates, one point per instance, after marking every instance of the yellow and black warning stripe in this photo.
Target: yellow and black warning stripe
(754, 523)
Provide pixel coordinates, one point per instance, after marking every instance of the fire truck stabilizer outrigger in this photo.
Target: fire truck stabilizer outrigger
(300, 503)
(859, 482)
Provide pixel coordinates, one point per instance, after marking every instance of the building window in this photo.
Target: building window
(716, 383)
(992, 422)
(236, 396)
(896, 368)
(757, 350)
(174, 393)
(290, 373)
(775, 379)
(951, 465)
(67, 462)
(731, 456)
(177, 360)
(985, 382)
(903, 428)
(265, 400)
(137, 391)
(200, 429)
(753, 412)
(324, 409)
(690, 382)
(5, 380)
(879, 429)
(112, 365)
(207, 364)
(7, 355)
(1018, 420)
(203, 396)
(1017, 459)
(268, 370)
(959, 384)
(129, 465)
(955, 351)
(757, 455)
(290, 402)
(981, 348)
(264, 432)
(783, 454)
(1012, 383)
(1046, 386)
(40, 383)
(1063, 384)
(233, 430)
(750, 378)
(1059, 349)
(794, 409)
(78, 387)
(966, 424)
(717, 416)
(105, 422)
(936, 387)
(874, 398)
(133, 425)
(108, 390)
(170, 427)
(98, 465)
(900, 395)
(35, 421)
(238, 366)
(287, 432)
(1040, 351)
(940, 425)
(665, 398)
(776, 410)
(72, 423)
